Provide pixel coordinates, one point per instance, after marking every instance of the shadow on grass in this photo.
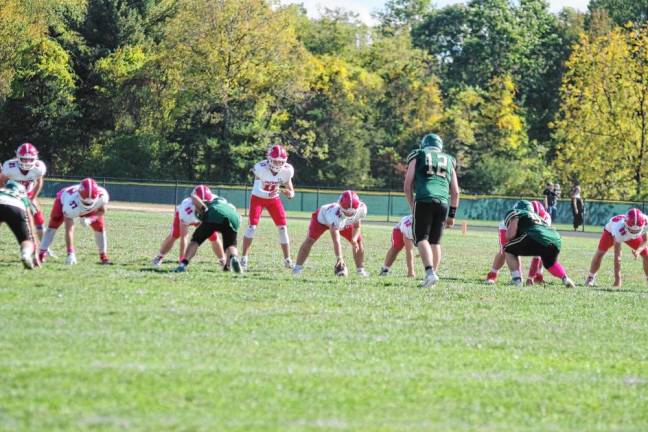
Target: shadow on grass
(617, 290)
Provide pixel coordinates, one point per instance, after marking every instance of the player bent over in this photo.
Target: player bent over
(271, 177)
(215, 215)
(27, 170)
(86, 201)
(185, 216)
(402, 237)
(341, 218)
(528, 235)
(535, 269)
(629, 228)
(16, 211)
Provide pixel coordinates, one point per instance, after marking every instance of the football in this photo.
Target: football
(341, 269)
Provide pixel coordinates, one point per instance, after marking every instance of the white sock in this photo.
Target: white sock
(48, 237)
(298, 267)
(494, 270)
(516, 274)
(360, 269)
(101, 241)
(592, 275)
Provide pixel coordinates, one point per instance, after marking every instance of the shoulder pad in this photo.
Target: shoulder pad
(412, 155)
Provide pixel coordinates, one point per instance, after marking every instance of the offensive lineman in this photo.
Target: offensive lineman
(271, 177)
(16, 211)
(341, 218)
(29, 171)
(185, 216)
(402, 237)
(432, 178)
(629, 228)
(215, 215)
(528, 235)
(86, 201)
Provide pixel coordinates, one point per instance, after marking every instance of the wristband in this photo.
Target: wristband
(453, 212)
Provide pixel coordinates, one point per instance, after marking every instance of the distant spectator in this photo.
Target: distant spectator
(550, 200)
(557, 190)
(577, 205)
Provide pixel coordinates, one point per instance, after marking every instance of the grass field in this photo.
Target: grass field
(127, 348)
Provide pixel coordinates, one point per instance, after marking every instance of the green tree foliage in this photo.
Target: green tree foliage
(621, 11)
(602, 131)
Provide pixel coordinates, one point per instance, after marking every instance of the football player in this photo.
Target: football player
(16, 211)
(29, 171)
(629, 228)
(185, 216)
(341, 218)
(86, 201)
(402, 237)
(215, 215)
(528, 235)
(535, 269)
(271, 177)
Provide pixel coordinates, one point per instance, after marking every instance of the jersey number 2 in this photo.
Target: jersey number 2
(441, 167)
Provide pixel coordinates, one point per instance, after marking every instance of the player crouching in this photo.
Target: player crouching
(215, 215)
(341, 218)
(86, 201)
(528, 235)
(16, 211)
(184, 217)
(535, 269)
(402, 237)
(629, 228)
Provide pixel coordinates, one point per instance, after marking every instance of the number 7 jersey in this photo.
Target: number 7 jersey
(433, 174)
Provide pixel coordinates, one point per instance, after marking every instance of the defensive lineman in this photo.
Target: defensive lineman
(16, 211)
(86, 201)
(629, 228)
(430, 185)
(271, 177)
(29, 171)
(402, 237)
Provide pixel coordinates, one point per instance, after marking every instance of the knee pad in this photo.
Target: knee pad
(249, 232)
(283, 234)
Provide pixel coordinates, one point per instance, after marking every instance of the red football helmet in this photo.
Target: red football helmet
(203, 192)
(635, 221)
(349, 202)
(27, 156)
(89, 192)
(539, 209)
(277, 157)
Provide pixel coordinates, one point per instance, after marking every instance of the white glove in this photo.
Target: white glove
(85, 222)
(71, 259)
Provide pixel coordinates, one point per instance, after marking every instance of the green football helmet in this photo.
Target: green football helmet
(523, 205)
(15, 187)
(432, 140)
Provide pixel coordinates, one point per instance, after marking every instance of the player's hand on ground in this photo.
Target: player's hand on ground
(449, 222)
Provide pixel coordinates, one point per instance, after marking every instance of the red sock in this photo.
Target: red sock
(557, 270)
(534, 267)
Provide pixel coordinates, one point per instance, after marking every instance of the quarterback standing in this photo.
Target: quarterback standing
(629, 228)
(271, 177)
(184, 217)
(86, 201)
(29, 171)
(341, 219)
(430, 185)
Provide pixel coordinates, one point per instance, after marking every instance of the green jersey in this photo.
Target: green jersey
(533, 226)
(220, 211)
(15, 199)
(433, 174)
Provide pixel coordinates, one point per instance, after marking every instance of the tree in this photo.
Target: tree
(602, 130)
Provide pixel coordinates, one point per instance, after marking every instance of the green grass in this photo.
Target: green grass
(126, 348)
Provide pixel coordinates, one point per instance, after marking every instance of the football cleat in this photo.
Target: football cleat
(157, 261)
(430, 279)
(568, 282)
(103, 259)
(384, 272)
(589, 282)
(362, 273)
(71, 259)
(288, 263)
(244, 263)
(235, 264)
(538, 278)
(491, 278)
(42, 255)
(517, 281)
(180, 269)
(296, 271)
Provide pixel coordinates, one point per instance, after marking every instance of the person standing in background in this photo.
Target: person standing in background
(577, 206)
(550, 200)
